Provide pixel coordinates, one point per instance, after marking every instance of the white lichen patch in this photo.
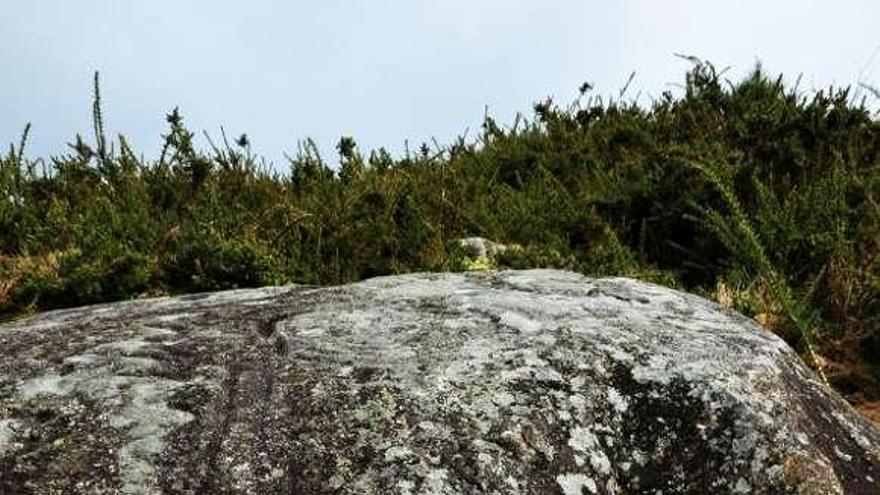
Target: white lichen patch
(843, 455)
(856, 433)
(575, 484)
(520, 322)
(579, 404)
(123, 347)
(435, 482)
(51, 384)
(115, 375)
(600, 463)
(742, 486)
(405, 487)
(8, 430)
(170, 318)
(583, 440)
(397, 452)
(617, 401)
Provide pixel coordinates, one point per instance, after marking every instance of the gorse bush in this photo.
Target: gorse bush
(761, 196)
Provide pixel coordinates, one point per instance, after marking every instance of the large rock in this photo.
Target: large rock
(516, 382)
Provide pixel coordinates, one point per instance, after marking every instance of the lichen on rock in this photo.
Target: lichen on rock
(526, 382)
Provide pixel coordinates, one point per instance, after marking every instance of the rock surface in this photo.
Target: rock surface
(501, 383)
(480, 254)
(481, 248)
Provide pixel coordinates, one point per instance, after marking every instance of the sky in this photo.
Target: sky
(387, 72)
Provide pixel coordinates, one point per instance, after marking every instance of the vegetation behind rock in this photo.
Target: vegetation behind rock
(754, 193)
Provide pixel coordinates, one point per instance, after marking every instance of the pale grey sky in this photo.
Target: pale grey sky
(385, 71)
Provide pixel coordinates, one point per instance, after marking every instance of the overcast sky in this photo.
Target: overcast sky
(386, 71)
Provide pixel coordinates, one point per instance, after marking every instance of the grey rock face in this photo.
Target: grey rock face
(481, 248)
(508, 383)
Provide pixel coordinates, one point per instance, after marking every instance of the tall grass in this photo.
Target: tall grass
(751, 192)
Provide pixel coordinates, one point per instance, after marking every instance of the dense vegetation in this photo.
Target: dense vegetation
(754, 193)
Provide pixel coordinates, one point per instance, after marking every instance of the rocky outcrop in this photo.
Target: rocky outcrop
(500, 383)
(480, 248)
(480, 254)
